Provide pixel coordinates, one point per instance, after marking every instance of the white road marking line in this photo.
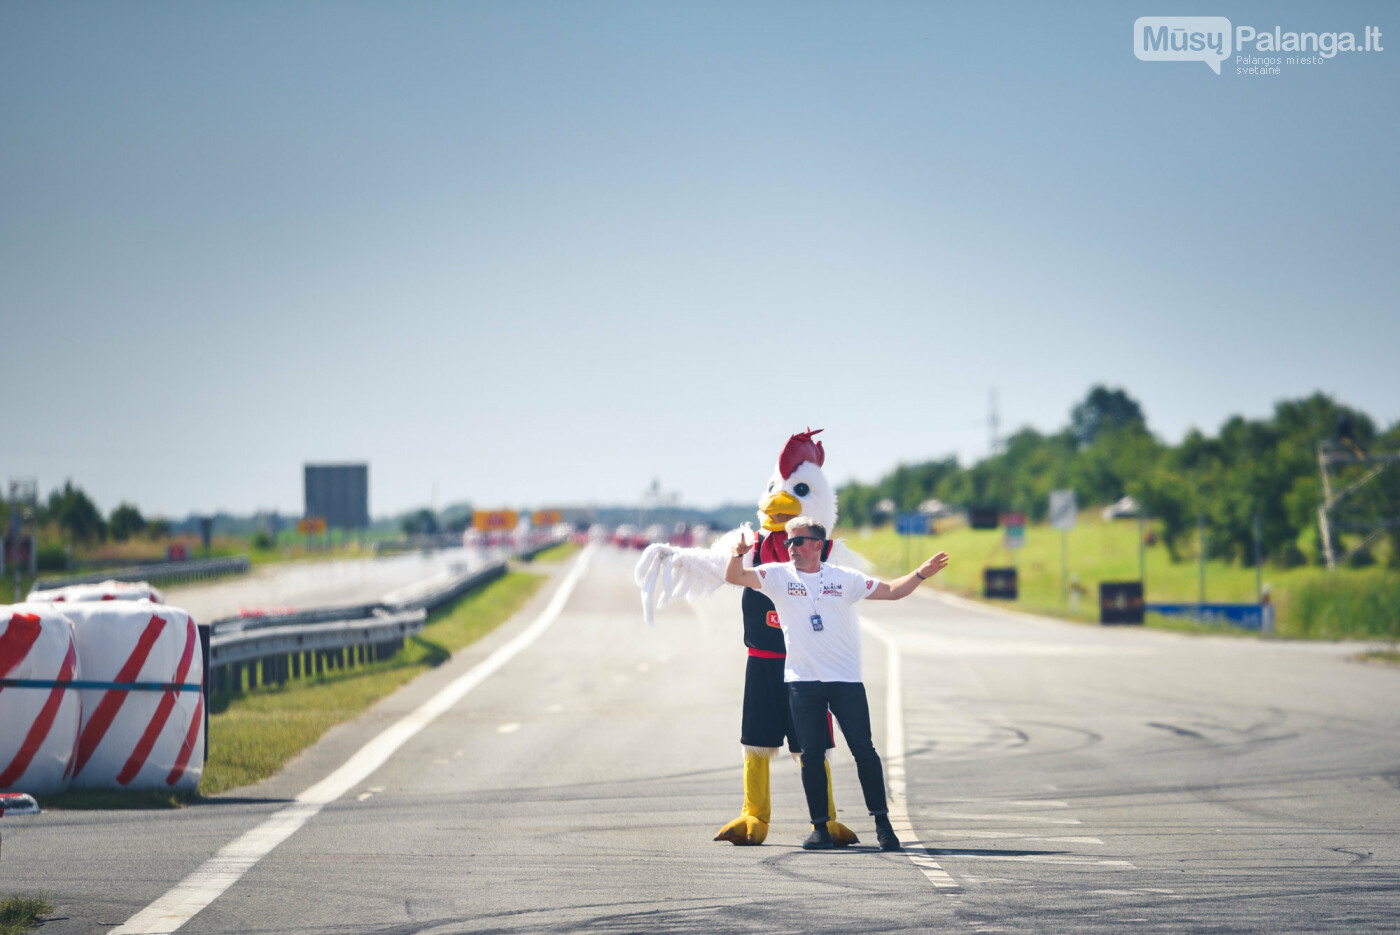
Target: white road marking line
(510, 728)
(188, 897)
(984, 835)
(362, 796)
(894, 764)
(1015, 819)
(1041, 859)
(1017, 803)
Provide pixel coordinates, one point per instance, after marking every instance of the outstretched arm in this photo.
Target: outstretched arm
(903, 587)
(736, 573)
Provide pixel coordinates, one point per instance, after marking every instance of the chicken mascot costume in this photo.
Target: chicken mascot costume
(797, 488)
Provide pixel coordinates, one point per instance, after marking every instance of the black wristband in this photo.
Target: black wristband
(919, 576)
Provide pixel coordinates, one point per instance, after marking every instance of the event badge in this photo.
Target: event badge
(817, 622)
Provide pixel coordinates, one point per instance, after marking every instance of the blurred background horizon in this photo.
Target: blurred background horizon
(549, 254)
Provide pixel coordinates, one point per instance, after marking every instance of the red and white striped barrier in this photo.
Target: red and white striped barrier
(142, 708)
(105, 591)
(38, 718)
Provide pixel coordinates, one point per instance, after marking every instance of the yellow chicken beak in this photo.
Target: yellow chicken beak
(777, 509)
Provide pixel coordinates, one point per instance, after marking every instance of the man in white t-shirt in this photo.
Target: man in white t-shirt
(816, 609)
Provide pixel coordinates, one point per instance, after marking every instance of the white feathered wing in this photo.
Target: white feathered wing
(665, 572)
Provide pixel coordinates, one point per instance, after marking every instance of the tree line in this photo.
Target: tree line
(73, 513)
(1265, 467)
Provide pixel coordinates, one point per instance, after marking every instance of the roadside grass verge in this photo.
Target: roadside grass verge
(20, 914)
(558, 553)
(251, 736)
(1309, 602)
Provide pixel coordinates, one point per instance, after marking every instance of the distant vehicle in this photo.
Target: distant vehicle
(623, 535)
(1127, 508)
(682, 536)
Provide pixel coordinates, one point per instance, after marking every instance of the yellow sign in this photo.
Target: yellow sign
(312, 525)
(495, 520)
(544, 518)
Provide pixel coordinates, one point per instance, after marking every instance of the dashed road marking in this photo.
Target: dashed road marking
(510, 728)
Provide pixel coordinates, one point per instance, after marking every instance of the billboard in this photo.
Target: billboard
(339, 493)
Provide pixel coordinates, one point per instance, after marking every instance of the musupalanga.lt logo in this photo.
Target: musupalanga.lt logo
(1212, 39)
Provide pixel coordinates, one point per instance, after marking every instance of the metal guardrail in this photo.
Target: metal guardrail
(158, 573)
(248, 645)
(277, 647)
(294, 618)
(438, 592)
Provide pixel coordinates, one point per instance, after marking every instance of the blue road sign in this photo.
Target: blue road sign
(911, 524)
(1247, 616)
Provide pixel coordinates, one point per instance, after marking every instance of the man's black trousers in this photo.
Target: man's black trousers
(846, 700)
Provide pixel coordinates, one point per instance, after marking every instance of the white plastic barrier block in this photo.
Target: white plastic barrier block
(106, 591)
(143, 711)
(38, 719)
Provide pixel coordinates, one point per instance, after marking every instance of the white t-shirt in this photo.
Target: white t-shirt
(831, 654)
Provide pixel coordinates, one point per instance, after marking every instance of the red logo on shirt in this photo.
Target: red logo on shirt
(869, 583)
(772, 619)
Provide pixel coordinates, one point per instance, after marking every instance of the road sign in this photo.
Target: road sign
(495, 520)
(311, 525)
(999, 582)
(1120, 602)
(982, 517)
(1015, 524)
(543, 518)
(911, 524)
(1064, 509)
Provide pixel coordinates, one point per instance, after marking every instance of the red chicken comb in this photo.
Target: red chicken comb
(800, 449)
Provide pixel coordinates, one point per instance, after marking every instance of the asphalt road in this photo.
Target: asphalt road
(1058, 778)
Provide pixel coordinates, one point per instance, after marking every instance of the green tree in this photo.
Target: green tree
(419, 522)
(75, 514)
(1163, 495)
(126, 521)
(1104, 409)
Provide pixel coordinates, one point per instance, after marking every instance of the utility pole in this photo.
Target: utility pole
(1201, 540)
(1258, 561)
(1329, 454)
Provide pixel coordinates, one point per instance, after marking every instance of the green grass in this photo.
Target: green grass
(558, 553)
(19, 914)
(1098, 551)
(252, 735)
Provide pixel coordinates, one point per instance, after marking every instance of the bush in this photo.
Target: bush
(1350, 606)
(1361, 558)
(53, 556)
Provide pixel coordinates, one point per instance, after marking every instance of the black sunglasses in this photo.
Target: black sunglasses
(797, 540)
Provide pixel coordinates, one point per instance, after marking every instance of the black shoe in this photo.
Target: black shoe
(819, 840)
(884, 834)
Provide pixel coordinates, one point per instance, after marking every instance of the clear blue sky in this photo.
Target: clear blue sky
(537, 253)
